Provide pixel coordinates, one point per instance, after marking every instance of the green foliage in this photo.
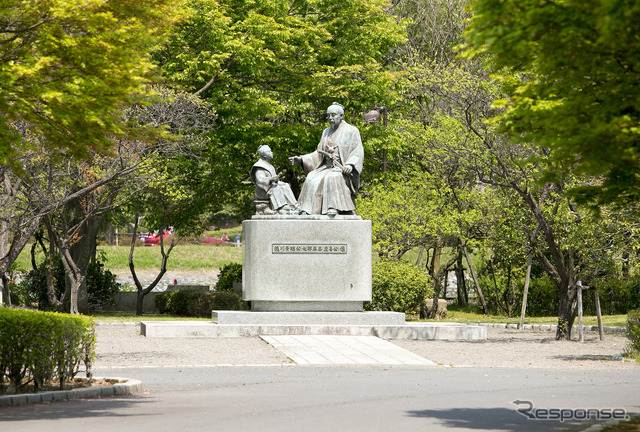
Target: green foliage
(543, 297)
(42, 346)
(229, 274)
(101, 285)
(67, 67)
(398, 286)
(633, 329)
(617, 296)
(197, 303)
(569, 70)
(271, 69)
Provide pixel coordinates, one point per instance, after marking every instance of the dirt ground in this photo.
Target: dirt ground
(121, 346)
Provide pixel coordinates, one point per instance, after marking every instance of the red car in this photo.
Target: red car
(154, 239)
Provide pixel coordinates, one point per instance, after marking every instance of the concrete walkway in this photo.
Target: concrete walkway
(343, 350)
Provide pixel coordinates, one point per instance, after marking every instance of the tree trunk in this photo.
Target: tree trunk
(566, 312)
(4, 246)
(435, 273)
(625, 265)
(460, 281)
(82, 252)
(485, 309)
(142, 292)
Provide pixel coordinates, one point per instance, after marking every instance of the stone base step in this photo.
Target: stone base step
(415, 331)
(308, 318)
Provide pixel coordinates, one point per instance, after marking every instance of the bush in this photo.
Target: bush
(617, 296)
(101, 285)
(197, 303)
(229, 274)
(41, 346)
(398, 286)
(633, 329)
(543, 297)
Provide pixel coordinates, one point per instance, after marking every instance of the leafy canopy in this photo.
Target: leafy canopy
(570, 72)
(270, 69)
(67, 66)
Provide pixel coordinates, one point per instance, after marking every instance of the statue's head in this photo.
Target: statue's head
(335, 112)
(264, 151)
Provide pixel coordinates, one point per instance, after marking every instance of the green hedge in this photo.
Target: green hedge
(398, 286)
(197, 303)
(229, 274)
(633, 329)
(38, 347)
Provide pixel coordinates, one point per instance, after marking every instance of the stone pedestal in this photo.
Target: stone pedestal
(312, 263)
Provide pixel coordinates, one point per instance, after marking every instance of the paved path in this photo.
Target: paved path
(344, 350)
(345, 398)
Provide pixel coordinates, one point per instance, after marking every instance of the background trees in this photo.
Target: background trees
(271, 69)
(569, 71)
(67, 67)
(489, 151)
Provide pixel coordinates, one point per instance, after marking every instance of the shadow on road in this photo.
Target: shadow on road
(497, 419)
(79, 408)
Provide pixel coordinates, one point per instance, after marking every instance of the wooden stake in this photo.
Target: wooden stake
(598, 313)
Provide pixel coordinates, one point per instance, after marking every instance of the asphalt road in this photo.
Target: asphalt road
(307, 398)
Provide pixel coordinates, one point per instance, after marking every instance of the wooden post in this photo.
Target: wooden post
(526, 292)
(580, 328)
(598, 313)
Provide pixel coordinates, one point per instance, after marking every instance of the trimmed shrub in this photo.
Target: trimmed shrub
(633, 329)
(40, 347)
(229, 274)
(398, 286)
(197, 303)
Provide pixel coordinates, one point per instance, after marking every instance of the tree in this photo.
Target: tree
(175, 196)
(569, 71)
(271, 69)
(67, 67)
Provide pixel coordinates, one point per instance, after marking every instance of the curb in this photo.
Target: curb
(126, 386)
(550, 327)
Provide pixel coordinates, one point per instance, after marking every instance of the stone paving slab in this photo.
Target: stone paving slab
(343, 350)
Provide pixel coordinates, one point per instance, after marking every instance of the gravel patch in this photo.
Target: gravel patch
(526, 349)
(120, 346)
(191, 277)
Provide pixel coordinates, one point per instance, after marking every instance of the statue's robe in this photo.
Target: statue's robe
(279, 193)
(325, 186)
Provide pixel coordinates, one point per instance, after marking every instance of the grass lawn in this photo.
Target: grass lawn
(465, 315)
(631, 425)
(183, 257)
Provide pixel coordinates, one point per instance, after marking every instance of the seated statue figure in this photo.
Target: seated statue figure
(271, 196)
(333, 170)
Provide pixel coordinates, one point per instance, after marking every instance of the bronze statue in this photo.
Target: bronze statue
(271, 196)
(333, 170)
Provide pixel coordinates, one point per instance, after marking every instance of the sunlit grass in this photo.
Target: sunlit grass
(183, 257)
(464, 315)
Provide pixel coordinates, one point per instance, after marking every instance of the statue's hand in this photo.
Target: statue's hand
(347, 169)
(274, 179)
(295, 160)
